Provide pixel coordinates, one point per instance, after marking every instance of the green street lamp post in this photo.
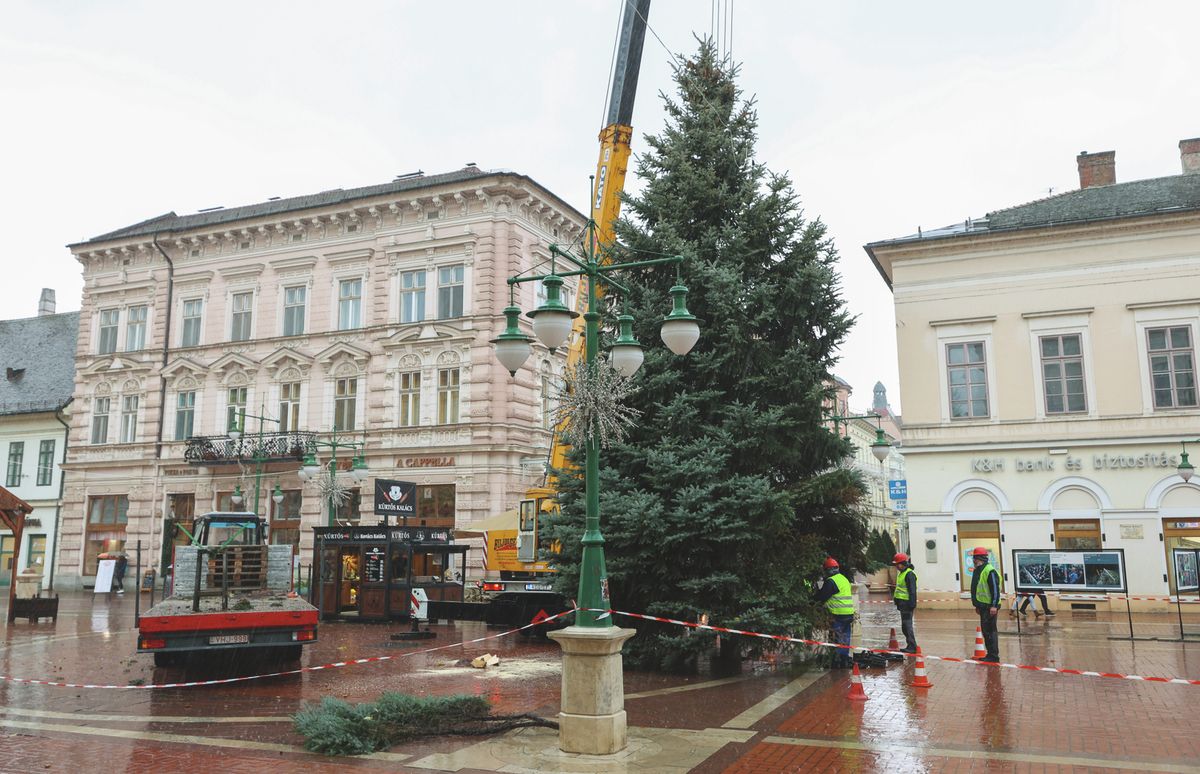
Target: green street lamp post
(1186, 469)
(552, 323)
(258, 457)
(310, 468)
(592, 718)
(880, 448)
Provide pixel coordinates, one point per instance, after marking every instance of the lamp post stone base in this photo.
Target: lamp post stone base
(592, 720)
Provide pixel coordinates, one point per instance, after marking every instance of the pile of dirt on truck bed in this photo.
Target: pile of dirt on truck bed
(258, 601)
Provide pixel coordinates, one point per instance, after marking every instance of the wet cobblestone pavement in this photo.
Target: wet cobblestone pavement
(765, 719)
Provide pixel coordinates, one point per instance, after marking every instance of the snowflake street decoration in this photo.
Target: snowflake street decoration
(332, 490)
(591, 405)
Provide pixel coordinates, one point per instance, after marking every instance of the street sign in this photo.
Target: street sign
(899, 505)
(898, 489)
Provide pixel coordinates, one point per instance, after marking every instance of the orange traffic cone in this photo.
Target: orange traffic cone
(919, 678)
(856, 687)
(980, 651)
(892, 644)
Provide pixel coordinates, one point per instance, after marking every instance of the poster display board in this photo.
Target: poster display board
(1187, 569)
(1045, 570)
(375, 564)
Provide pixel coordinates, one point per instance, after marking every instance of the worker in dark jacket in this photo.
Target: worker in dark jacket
(838, 597)
(985, 595)
(905, 597)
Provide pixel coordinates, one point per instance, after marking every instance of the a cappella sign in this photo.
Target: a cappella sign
(1070, 463)
(424, 462)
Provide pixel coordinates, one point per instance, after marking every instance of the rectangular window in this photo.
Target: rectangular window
(35, 556)
(448, 383)
(1172, 366)
(450, 291)
(192, 313)
(242, 316)
(45, 470)
(7, 546)
(289, 407)
(100, 421)
(1062, 374)
(547, 402)
(185, 415)
(107, 342)
(285, 520)
(1077, 534)
(16, 459)
(966, 367)
(294, 300)
(107, 517)
(435, 505)
(344, 403)
(412, 296)
(348, 511)
(410, 399)
(235, 407)
(135, 328)
(129, 407)
(349, 304)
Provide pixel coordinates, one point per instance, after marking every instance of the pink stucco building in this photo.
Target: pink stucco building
(368, 309)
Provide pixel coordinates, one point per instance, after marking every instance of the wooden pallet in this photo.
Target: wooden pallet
(246, 565)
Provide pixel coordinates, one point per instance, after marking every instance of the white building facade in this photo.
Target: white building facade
(37, 358)
(1047, 366)
(366, 310)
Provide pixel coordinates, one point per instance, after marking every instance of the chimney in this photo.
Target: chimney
(1097, 168)
(46, 302)
(1189, 156)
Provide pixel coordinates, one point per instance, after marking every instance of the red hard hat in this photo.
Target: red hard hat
(980, 551)
(831, 564)
(900, 557)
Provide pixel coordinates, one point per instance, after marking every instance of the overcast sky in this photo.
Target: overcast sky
(886, 115)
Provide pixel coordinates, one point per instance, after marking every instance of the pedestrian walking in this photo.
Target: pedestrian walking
(119, 568)
(905, 597)
(838, 597)
(1041, 595)
(985, 595)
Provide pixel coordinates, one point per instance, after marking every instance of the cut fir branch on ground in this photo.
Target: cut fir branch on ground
(335, 727)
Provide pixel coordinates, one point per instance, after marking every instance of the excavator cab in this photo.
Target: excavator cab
(531, 547)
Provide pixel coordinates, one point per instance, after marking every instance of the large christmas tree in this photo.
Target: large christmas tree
(729, 490)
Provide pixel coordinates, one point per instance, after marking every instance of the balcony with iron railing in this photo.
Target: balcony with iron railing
(268, 447)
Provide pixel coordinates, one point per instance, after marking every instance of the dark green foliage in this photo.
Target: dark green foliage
(730, 490)
(335, 727)
(881, 549)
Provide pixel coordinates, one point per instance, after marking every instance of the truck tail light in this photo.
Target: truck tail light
(304, 635)
(493, 587)
(151, 643)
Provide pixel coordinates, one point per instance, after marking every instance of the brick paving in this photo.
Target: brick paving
(973, 719)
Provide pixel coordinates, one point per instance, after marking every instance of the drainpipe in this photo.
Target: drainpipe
(62, 480)
(162, 390)
(162, 386)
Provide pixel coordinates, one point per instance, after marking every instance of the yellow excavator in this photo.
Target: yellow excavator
(517, 555)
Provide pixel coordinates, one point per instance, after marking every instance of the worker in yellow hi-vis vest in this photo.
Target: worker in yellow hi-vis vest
(985, 595)
(905, 597)
(838, 597)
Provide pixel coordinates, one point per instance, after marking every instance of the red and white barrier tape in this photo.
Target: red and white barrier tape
(1070, 595)
(240, 679)
(952, 659)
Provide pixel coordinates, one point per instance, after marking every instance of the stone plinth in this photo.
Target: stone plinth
(592, 720)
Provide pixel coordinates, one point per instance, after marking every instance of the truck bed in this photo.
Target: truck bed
(255, 619)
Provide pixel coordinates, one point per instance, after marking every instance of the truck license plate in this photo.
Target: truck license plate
(538, 587)
(229, 639)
